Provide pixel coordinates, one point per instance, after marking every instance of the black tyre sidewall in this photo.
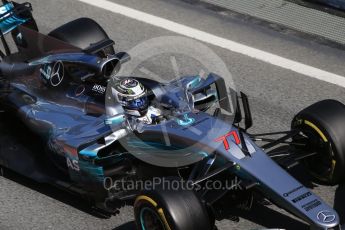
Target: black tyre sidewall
(329, 117)
(183, 210)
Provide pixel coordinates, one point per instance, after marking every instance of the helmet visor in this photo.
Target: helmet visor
(138, 103)
(136, 107)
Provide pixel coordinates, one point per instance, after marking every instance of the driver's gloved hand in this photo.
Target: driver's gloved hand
(157, 119)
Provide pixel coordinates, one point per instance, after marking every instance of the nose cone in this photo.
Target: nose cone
(327, 219)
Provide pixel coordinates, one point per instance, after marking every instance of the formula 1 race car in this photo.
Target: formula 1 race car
(70, 130)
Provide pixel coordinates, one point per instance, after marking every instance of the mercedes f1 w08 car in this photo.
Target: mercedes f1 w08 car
(70, 130)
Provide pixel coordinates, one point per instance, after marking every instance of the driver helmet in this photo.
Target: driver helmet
(132, 95)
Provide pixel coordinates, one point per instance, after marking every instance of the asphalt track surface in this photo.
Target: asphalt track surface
(276, 94)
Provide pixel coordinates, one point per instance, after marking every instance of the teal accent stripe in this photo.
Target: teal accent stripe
(88, 153)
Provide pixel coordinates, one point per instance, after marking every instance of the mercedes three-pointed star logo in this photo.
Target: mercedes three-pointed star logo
(57, 74)
(326, 216)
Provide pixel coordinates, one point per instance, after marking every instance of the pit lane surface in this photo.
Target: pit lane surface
(276, 94)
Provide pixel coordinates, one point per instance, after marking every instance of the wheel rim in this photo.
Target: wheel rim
(322, 164)
(150, 220)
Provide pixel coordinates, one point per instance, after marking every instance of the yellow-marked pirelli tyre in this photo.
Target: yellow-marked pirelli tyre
(171, 210)
(322, 133)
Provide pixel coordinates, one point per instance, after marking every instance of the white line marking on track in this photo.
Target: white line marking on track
(219, 41)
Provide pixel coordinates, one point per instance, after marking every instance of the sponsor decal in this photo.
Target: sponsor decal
(19, 39)
(302, 197)
(224, 139)
(197, 123)
(311, 205)
(73, 164)
(326, 217)
(53, 73)
(46, 71)
(186, 120)
(99, 89)
(292, 191)
(129, 83)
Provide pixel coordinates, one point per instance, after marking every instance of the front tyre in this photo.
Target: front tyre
(171, 210)
(321, 129)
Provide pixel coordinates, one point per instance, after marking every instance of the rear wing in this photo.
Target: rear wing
(12, 15)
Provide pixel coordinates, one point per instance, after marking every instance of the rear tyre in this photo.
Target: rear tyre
(322, 130)
(171, 210)
(82, 33)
